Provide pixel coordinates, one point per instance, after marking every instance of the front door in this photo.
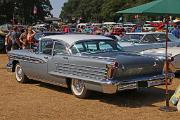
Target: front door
(37, 67)
(58, 65)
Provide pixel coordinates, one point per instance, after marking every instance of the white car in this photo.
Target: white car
(139, 41)
(172, 52)
(148, 27)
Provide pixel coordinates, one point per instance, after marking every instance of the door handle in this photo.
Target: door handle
(65, 58)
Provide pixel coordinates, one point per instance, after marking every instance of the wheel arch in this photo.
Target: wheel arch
(14, 63)
(68, 82)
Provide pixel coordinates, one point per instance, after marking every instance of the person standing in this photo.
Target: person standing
(8, 43)
(176, 31)
(23, 39)
(30, 35)
(14, 35)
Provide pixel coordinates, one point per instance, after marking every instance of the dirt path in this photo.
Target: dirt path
(40, 101)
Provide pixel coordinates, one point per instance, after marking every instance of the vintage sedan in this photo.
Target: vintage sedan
(86, 63)
(140, 41)
(173, 52)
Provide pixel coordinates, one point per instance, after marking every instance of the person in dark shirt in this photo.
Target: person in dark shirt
(15, 38)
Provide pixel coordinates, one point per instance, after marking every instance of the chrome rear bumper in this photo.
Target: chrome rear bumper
(112, 86)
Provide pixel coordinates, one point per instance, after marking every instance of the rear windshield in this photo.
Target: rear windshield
(93, 46)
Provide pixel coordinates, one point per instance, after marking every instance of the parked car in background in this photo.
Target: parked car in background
(147, 40)
(86, 63)
(6, 27)
(107, 24)
(148, 27)
(128, 26)
(2, 41)
(172, 52)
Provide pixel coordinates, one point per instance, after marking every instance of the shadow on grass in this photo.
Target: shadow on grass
(134, 99)
(129, 98)
(50, 86)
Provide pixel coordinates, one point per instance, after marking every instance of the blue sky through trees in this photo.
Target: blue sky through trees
(57, 5)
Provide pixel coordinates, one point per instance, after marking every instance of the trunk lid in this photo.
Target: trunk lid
(134, 65)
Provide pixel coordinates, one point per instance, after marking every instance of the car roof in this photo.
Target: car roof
(72, 38)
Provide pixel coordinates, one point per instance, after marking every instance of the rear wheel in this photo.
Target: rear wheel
(20, 76)
(78, 89)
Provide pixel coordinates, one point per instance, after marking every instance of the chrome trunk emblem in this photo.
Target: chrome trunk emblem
(139, 68)
(155, 64)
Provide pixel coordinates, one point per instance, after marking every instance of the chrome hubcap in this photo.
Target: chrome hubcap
(19, 73)
(78, 86)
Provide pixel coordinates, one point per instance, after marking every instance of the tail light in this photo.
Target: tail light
(110, 69)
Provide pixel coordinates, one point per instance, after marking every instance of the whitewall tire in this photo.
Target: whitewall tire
(20, 76)
(78, 88)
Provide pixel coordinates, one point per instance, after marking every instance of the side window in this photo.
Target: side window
(161, 38)
(59, 48)
(78, 47)
(73, 50)
(149, 39)
(47, 46)
(105, 46)
(91, 46)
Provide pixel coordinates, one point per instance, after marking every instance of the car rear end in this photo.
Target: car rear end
(134, 73)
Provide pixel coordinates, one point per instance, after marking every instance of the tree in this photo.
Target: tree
(22, 10)
(97, 10)
(86, 9)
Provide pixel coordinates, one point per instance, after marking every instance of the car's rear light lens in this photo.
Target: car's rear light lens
(110, 69)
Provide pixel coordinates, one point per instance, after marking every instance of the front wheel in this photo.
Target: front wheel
(78, 89)
(20, 76)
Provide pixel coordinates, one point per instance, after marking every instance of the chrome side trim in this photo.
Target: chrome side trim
(91, 72)
(26, 59)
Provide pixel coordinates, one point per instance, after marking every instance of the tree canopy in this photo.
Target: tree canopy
(22, 10)
(96, 10)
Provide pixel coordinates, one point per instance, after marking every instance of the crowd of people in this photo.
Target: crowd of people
(23, 38)
(120, 30)
(19, 38)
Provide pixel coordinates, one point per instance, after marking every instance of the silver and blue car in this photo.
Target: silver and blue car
(139, 41)
(86, 63)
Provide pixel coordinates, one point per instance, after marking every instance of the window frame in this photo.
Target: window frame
(66, 48)
(83, 44)
(40, 46)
